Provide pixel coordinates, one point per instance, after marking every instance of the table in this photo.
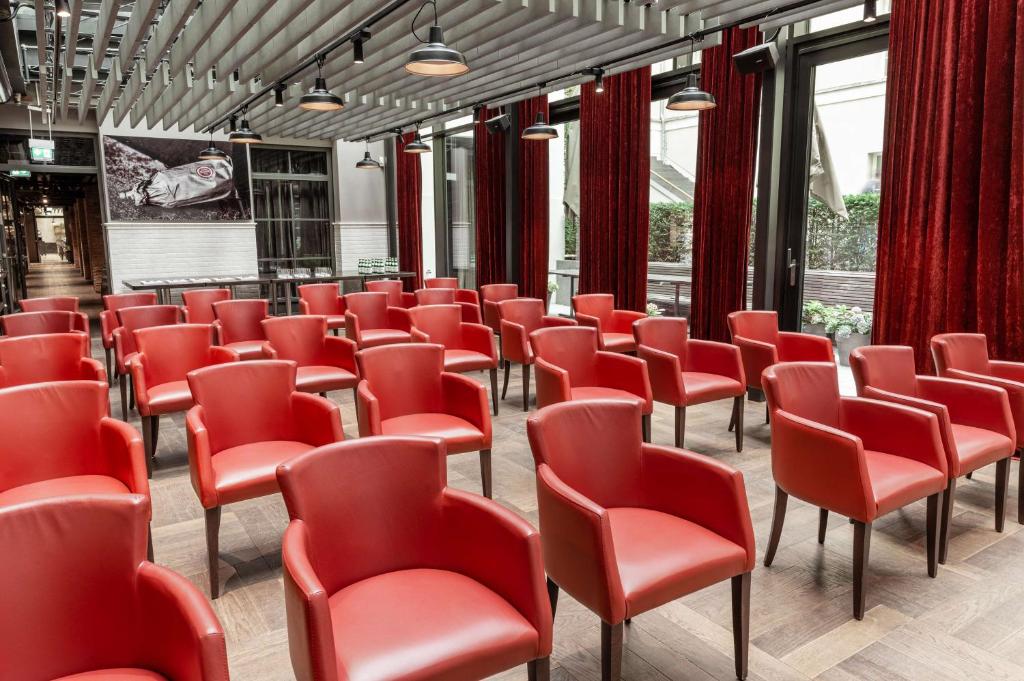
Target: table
(675, 280)
(164, 286)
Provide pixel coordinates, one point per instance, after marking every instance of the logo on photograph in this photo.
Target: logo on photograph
(205, 172)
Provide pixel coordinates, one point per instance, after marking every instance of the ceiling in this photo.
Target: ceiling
(191, 62)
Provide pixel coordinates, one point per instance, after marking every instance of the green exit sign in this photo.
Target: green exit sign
(41, 154)
(21, 173)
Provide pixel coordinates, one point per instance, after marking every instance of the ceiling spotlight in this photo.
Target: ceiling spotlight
(417, 146)
(598, 79)
(245, 134)
(540, 130)
(279, 95)
(434, 58)
(63, 10)
(212, 153)
(870, 11)
(320, 99)
(692, 98)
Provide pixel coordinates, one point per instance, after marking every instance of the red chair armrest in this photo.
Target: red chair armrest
(479, 338)
(352, 327)
(200, 458)
(419, 336)
(341, 352)
(317, 419)
(894, 429)
(221, 355)
(757, 356)
(470, 312)
(218, 332)
(310, 636)
(367, 411)
(1012, 371)
(481, 534)
(398, 318)
(552, 383)
(971, 404)
(183, 638)
(616, 370)
(547, 321)
(118, 338)
(804, 347)
(137, 369)
(711, 357)
(108, 322)
(467, 295)
(514, 343)
(622, 320)
(268, 350)
(699, 489)
(82, 322)
(92, 370)
(304, 307)
(126, 456)
(467, 399)
(587, 320)
(665, 375)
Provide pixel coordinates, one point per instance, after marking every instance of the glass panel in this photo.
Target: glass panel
(309, 200)
(847, 16)
(293, 227)
(68, 151)
(308, 162)
(460, 193)
(564, 193)
(269, 160)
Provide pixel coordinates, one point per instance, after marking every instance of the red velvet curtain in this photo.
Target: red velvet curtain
(615, 177)
(951, 222)
(724, 195)
(489, 160)
(533, 204)
(410, 197)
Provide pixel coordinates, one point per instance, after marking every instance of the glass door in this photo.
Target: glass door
(461, 207)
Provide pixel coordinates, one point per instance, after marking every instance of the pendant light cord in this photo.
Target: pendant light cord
(417, 18)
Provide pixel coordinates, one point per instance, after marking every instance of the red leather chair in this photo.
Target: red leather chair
(519, 318)
(119, 618)
(324, 300)
(570, 367)
(435, 296)
(627, 526)
(686, 372)
(406, 391)
(248, 419)
(47, 357)
(974, 419)
(397, 295)
(130, 319)
(756, 333)
(856, 457)
(444, 584)
(614, 327)
(370, 321)
(239, 326)
(325, 363)
(59, 303)
(198, 304)
(160, 369)
(490, 296)
(108, 319)
(467, 298)
(34, 323)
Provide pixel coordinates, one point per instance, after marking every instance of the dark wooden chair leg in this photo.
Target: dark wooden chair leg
(526, 387)
(494, 390)
(932, 534)
(970, 476)
(1002, 490)
(110, 374)
(485, 471)
(680, 426)
(741, 622)
(149, 543)
(778, 518)
(611, 651)
(822, 524)
(645, 427)
(947, 516)
(539, 669)
(732, 418)
(504, 385)
(147, 444)
(553, 596)
(213, 548)
(123, 385)
(861, 551)
(155, 425)
(738, 405)
(1020, 487)
(767, 413)
(131, 392)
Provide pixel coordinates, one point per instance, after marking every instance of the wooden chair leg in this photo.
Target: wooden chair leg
(738, 406)
(485, 471)
(131, 392)
(110, 375)
(732, 418)
(970, 476)
(741, 622)
(767, 413)
(1020, 487)
(149, 543)
(947, 516)
(504, 385)
(553, 596)
(778, 518)
(611, 651)
(645, 427)
(155, 438)
(1002, 490)
(680, 426)
(861, 551)
(822, 524)
(494, 390)
(526, 387)
(147, 444)
(539, 669)
(932, 534)
(123, 385)
(213, 548)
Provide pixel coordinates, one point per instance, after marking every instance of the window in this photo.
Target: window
(875, 166)
(564, 208)
(460, 194)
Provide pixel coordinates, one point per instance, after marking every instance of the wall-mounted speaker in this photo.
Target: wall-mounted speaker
(499, 123)
(757, 59)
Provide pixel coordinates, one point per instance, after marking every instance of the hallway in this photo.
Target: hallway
(63, 279)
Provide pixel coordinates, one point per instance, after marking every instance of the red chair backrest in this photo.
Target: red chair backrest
(29, 323)
(442, 323)
(173, 351)
(435, 296)
(54, 626)
(573, 348)
(41, 358)
(498, 292)
(392, 287)
(300, 338)
(528, 312)
(134, 318)
(886, 367)
(963, 351)
(63, 303)
(806, 389)
(405, 378)
(600, 305)
(386, 522)
(199, 303)
(240, 320)
(594, 446)
(667, 334)
(442, 282)
(322, 299)
(245, 402)
(116, 301)
(759, 325)
(370, 308)
(51, 430)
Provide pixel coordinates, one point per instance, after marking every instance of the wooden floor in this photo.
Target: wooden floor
(968, 623)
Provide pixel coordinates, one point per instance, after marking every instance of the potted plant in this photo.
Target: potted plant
(852, 329)
(552, 290)
(814, 318)
(653, 310)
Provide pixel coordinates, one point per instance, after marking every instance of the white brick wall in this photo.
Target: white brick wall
(140, 251)
(353, 241)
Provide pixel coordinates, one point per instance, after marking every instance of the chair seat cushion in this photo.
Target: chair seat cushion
(662, 557)
(619, 342)
(898, 481)
(701, 387)
(593, 392)
(426, 624)
(374, 337)
(976, 447)
(335, 321)
(458, 361)
(250, 470)
(121, 674)
(321, 379)
(458, 434)
(63, 487)
(167, 398)
(250, 349)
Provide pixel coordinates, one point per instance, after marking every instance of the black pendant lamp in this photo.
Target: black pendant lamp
(245, 134)
(212, 153)
(540, 130)
(320, 99)
(367, 162)
(692, 98)
(417, 145)
(434, 58)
